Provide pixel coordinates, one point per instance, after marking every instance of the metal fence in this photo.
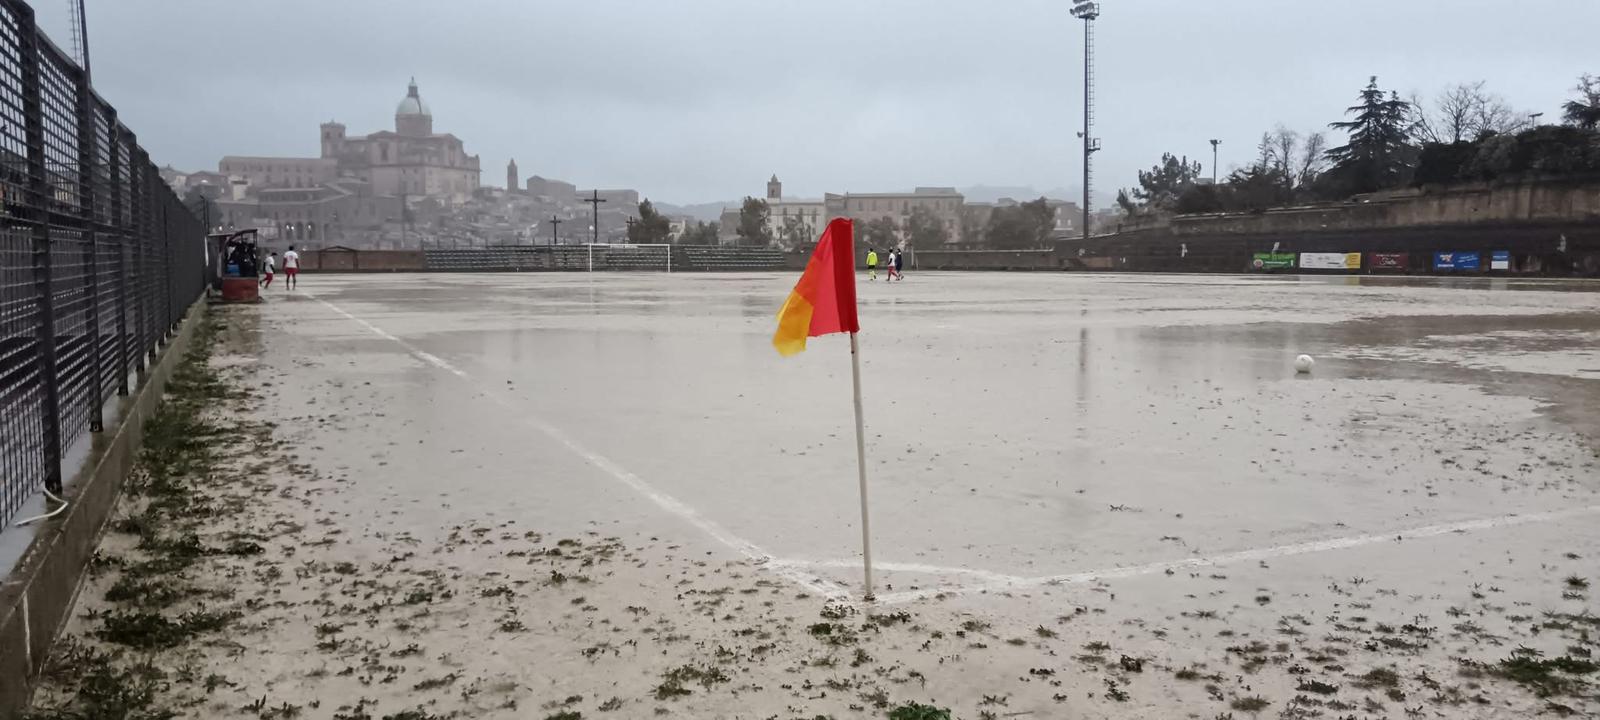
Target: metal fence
(99, 259)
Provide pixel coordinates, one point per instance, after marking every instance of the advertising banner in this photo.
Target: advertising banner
(1500, 260)
(1330, 261)
(1273, 261)
(1456, 261)
(1389, 261)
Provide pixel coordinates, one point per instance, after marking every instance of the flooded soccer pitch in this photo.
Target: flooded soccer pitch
(1091, 496)
(1023, 429)
(1019, 426)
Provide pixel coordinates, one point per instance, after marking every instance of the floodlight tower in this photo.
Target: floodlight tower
(1087, 11)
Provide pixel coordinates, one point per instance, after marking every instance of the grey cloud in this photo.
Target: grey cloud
(703, 99)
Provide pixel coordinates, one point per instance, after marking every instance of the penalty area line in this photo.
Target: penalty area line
(1276, 551)
(663, 500)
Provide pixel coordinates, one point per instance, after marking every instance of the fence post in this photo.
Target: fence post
(167, 320)
(87, 141)
(116, 175)
(136, 202)
(40, 202)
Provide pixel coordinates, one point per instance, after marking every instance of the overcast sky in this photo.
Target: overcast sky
(701, 100)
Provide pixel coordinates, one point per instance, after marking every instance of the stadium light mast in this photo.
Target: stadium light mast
(1214, 143)
(1087, 11)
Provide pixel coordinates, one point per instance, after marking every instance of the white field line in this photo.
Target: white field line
(663, 500)
(1266, 553)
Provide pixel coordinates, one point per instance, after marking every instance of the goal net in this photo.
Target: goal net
(629, 256)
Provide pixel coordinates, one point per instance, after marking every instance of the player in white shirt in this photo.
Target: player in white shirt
(268, 266)
(291, 267)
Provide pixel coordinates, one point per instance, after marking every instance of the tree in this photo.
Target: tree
(1201, 199)
(1379, 153)
(1127, 204)
(1257, 188)
(1585, 111)
(1465, 111)
(1280, 145)
(651, 227)
(795, 232)
(1294, 161)
(1162, 184)
(1021, 227)
(753, 228)
(974, 221)
(701, 233)
(880, 233)
(1312, 160)
(925, 229)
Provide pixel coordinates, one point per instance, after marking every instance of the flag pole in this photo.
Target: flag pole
(861, 466)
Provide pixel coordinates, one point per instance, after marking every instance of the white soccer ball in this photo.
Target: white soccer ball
(1303, 364)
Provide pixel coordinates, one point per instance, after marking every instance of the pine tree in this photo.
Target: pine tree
(651, 227)
(1380, 153)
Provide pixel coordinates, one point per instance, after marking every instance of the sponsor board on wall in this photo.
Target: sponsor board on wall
(1273, 261)
(1330, 261)
(1500, 260)
(1389, 261)
(1456, 261)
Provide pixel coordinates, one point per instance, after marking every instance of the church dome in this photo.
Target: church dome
(412, 104)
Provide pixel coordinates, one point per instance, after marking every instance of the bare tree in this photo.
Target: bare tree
(1264, 151)
(1465, 111)
(1284, 143)
(1294, 160)
(1313, 158)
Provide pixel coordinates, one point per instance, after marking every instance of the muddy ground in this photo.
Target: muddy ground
(352, 510)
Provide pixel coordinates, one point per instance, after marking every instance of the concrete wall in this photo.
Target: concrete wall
(362, 260)
(1547, 248)
(35, 599)
(988, 260)
(1548, 201)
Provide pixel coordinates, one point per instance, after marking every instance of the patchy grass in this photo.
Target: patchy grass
(1250, 704)
(918, 711)
(673, 681)
(1378, 677)
(1546, 677)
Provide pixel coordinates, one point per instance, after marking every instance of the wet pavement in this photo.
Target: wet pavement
(1022, 429)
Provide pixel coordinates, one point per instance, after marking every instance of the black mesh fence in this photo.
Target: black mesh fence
(99, 259)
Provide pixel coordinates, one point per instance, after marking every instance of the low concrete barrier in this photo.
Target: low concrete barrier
(348, 260)
(987, 260)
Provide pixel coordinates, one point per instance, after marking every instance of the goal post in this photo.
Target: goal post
(629, 256)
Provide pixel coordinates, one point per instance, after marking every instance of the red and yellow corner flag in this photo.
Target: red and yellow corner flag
(824, 301)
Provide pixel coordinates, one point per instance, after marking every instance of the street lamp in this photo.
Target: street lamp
(1533, 118)
(1214, 143)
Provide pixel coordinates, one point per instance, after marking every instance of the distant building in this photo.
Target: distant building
(943, 202)
(512, 185)
(412, 160)
(332, 213)
(616, 199)
(1069, 217)
(279, 172)
(809, 216)
(210, 185)
(554, 190)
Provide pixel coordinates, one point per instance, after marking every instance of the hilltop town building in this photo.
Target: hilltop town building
(412, 160)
